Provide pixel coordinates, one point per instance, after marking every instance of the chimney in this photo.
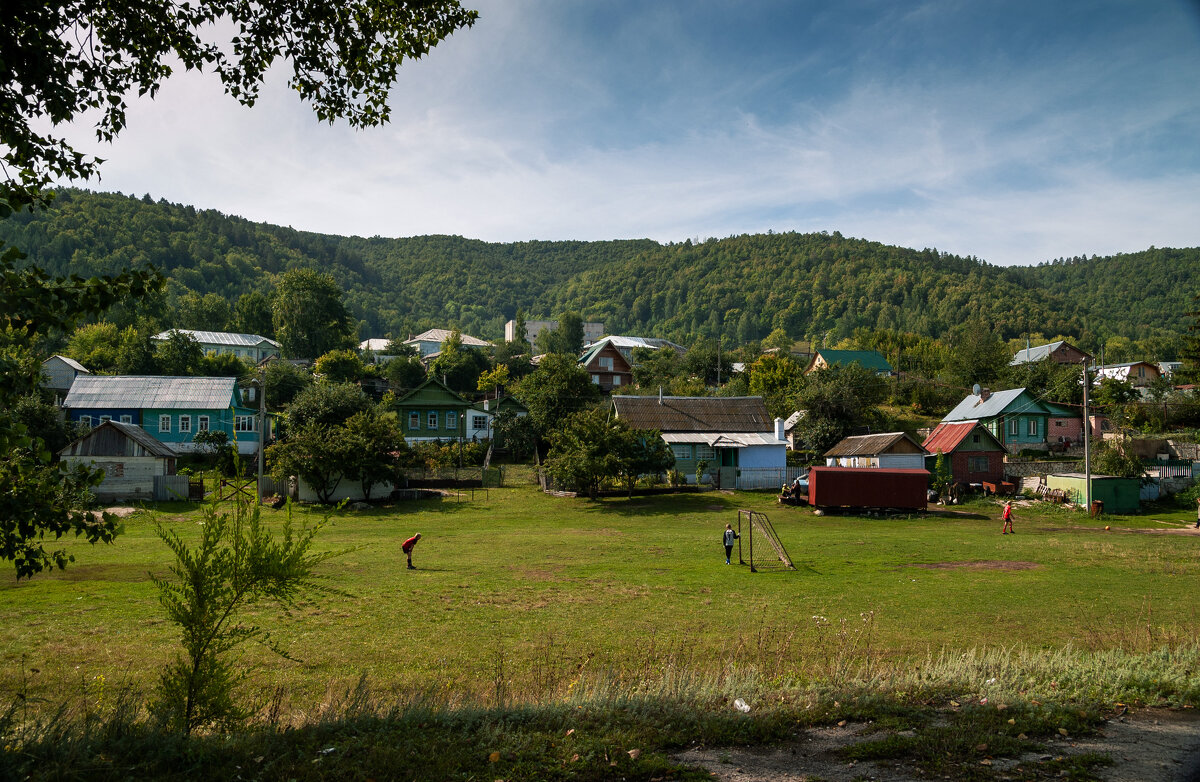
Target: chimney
(485, 405)
(779, 429)
(985, 394)
(660, 395)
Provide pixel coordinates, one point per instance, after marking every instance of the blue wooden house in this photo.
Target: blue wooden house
(170, 409)
(431, 411)
(1014, 417)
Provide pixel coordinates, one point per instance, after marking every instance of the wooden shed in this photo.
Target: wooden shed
(890, 450)
(129, 456)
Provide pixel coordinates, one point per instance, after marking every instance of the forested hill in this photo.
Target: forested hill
(741, 287)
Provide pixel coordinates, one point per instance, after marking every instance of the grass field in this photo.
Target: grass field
(523, 596)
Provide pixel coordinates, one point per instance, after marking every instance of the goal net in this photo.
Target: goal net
(758, 545)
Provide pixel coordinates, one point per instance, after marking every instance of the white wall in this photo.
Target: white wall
(763, 456)
(346, 490)
(125, 477)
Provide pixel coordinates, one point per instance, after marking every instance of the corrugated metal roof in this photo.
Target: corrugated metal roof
(722, 439)
(144, 438)
(221, 338)
(975, 407)
(694, 414)
(1036, 353)
(72, 363)
(869, 444)
(142, 392)
(654, 343)
(441, 335)
(375, 344)
(948, 436)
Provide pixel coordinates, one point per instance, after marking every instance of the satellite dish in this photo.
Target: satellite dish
(976, 390)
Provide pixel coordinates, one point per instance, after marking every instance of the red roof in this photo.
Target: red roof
(947, 436)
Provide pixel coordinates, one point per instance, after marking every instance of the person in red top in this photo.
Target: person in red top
(407, 547)
(1007, 518)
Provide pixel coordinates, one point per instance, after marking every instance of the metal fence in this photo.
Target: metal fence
(170, 487)
(1173, 468)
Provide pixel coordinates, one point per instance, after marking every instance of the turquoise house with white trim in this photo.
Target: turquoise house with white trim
(1014, 417)
(170, 409)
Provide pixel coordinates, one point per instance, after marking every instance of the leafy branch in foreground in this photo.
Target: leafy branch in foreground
(237, 564)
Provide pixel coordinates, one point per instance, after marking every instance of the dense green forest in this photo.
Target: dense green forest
(815, 286)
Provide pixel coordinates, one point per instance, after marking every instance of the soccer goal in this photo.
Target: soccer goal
(763, 550)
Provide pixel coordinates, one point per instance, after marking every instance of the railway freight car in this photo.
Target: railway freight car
(867, 487)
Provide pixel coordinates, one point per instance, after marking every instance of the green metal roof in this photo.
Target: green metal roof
(867, 359)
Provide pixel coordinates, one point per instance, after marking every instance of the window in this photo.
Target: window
(104, 418)
(451, 420)
(682, 451)
(616, 380)
(705, 452)
(974, 438)
(164, 423)
(185, 423)
(202, 423)
(1014, 426)
(126, 419)
(1033, 427)
(479, 422)
(977, 464)
(414, 420)
(1060, 423)
(606, 363)
(85, 420)
(249, 393)
(596, 379)
(243, 423)
(431, 421)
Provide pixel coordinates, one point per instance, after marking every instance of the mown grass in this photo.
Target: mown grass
(533, 613)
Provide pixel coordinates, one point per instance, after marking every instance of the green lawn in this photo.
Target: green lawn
(530, 593)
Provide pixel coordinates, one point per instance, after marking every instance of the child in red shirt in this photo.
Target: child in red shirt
(407, 547)
(1007, 518)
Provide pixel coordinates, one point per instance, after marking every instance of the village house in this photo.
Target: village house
(1139, 374)
(867, 359)
(1014, 417)
(170, 409)
(626, 345)
(1064, 427)
(607, 367)
(430, 341)
(891, 450)
(974, 454)
(251, 347)
(728, 434)
(129, 457)
(431, 411)
(1060, 352)
(59, 373)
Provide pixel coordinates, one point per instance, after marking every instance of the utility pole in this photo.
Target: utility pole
(262, 426)
(1087, 450)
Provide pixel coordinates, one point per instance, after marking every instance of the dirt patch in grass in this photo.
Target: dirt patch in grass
(1153, 744)
(984, 564)
(122, 511)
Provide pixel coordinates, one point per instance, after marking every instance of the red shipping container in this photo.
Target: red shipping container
(867, 487)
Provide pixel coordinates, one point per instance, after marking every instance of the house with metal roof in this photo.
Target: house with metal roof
(888, 450)
(59, 372)
(129, 457)
(1137, 373)
(431, 340)
(432, 411)
(729, 433)
(607, 366)
(626, 345)
(170, 409)
(1061, 352)
(973, 452)
(867, 359)
(1014, 417)
(251, 347)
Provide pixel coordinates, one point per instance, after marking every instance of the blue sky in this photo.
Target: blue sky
(1013, 131)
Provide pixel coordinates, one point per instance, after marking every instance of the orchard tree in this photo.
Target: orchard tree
(310, 319)
(328, 404)
(340, 366)
(585, 449)
(557, 388)
(374, 439)
(319, 454)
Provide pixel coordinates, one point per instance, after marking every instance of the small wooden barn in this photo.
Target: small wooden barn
(129, 456)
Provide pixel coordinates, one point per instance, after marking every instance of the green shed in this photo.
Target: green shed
(1119, 495)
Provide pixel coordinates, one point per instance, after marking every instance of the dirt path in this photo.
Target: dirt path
(1149, 746)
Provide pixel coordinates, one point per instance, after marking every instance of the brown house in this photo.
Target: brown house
(889, 450)
(607, 367)
(1060, 352)
(975, 455)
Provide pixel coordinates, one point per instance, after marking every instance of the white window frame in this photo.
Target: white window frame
(682, 451)
(202, 423)
(606, 363)
(126, 419)
(596, 379)
(85, 420)
(1032, 428)
(243, 423)
(164, 423)
(479, 422)
(1014, 426)
(705, 452)
(414, 420)
(431, 420)
(185, 424)
(452, 420)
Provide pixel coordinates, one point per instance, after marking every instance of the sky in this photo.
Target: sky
(1016, 132)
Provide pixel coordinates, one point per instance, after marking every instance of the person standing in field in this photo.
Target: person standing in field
(408, 546)
(1198, 513)
(1007, 518)
(730, 536)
